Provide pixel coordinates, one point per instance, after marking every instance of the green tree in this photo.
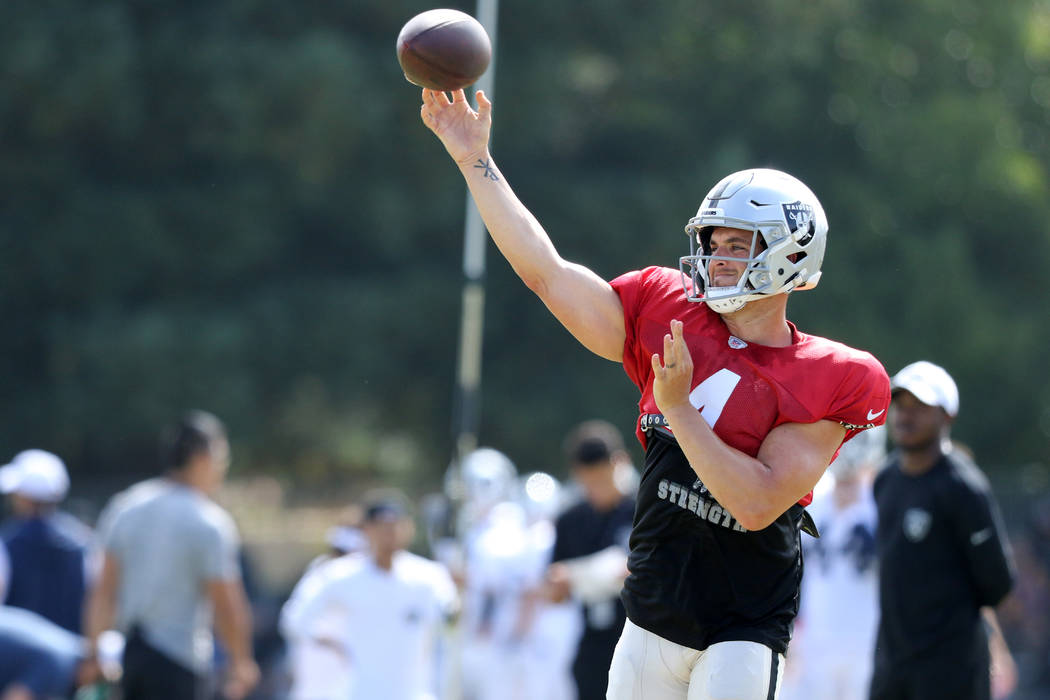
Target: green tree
(234, 205)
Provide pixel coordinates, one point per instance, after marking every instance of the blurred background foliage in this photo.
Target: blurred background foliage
(233, 205)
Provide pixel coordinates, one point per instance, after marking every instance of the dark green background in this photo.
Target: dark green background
(233, 205)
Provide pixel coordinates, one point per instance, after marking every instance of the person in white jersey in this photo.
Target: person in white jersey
(831, 655)
(316, 670)
(391, 604)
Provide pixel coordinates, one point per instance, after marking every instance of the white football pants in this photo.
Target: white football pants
(648, 667)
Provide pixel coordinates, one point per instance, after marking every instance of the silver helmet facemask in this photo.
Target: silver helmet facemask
(785, 255)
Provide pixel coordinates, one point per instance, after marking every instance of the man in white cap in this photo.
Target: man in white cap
(390, 605)
(44, 552)
(944, 560)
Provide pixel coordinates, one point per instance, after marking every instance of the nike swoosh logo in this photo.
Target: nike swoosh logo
(873, 415)
(981, 536)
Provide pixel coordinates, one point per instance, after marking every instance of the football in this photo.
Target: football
(443, 49)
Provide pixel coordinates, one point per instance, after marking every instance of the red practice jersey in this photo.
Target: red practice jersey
(696, 576)
(744, 390)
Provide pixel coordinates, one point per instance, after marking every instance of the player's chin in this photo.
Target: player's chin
(725, 279)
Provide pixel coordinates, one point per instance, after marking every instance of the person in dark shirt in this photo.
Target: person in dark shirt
(590, 548)
(48, 550)
(944, 562)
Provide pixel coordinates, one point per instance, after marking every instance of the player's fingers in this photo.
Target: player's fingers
(658, 367)
(676, 329)
(436, 98)
(669, 351)
(430, 100)
(458, 96)
(680, 348)
(428, 116)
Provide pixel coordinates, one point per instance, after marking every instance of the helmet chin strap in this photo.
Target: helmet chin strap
(723, 306)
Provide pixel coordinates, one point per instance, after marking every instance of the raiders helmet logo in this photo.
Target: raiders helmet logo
(799, 217)
(916, 524)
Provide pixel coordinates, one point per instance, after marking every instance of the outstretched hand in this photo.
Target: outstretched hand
(673, 376)
(463, 131)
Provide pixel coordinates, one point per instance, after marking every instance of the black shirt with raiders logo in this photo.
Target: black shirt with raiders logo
(942, 556)
(698, 577)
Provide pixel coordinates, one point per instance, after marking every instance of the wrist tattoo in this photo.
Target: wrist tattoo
(490, 170)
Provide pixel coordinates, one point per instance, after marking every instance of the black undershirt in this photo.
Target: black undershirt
(697, 577)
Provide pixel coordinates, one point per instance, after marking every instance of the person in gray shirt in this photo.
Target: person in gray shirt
(170, 571)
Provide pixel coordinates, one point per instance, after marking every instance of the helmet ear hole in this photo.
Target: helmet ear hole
(703, 237)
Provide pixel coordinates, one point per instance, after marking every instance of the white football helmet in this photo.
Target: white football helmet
(786, 254)
(487, 477)
(866, 450)
(541, 495)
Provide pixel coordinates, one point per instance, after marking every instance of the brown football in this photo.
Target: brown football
(443, 49)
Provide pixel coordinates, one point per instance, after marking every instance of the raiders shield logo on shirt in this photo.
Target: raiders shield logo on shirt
(916, 524)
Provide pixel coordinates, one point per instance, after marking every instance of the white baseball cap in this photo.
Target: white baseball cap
(346, 539)
(930, 384)
(37, 475)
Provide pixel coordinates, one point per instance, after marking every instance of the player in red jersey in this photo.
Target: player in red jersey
(740, 413)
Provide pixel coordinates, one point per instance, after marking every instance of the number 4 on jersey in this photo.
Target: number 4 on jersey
(710, 396)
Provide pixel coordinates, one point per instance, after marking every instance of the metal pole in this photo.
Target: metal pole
(467, 406)
(468, 373)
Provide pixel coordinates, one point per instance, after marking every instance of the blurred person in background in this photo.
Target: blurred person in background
(494, 576)
(1025, 616)
(510, 643)
(318, 671)
(943, 556)
(548, 630)
(1031, 605)
(40, 660)
(46, 555)
(391, 606)
(589, 561)
(831, 652)
(171, 571)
